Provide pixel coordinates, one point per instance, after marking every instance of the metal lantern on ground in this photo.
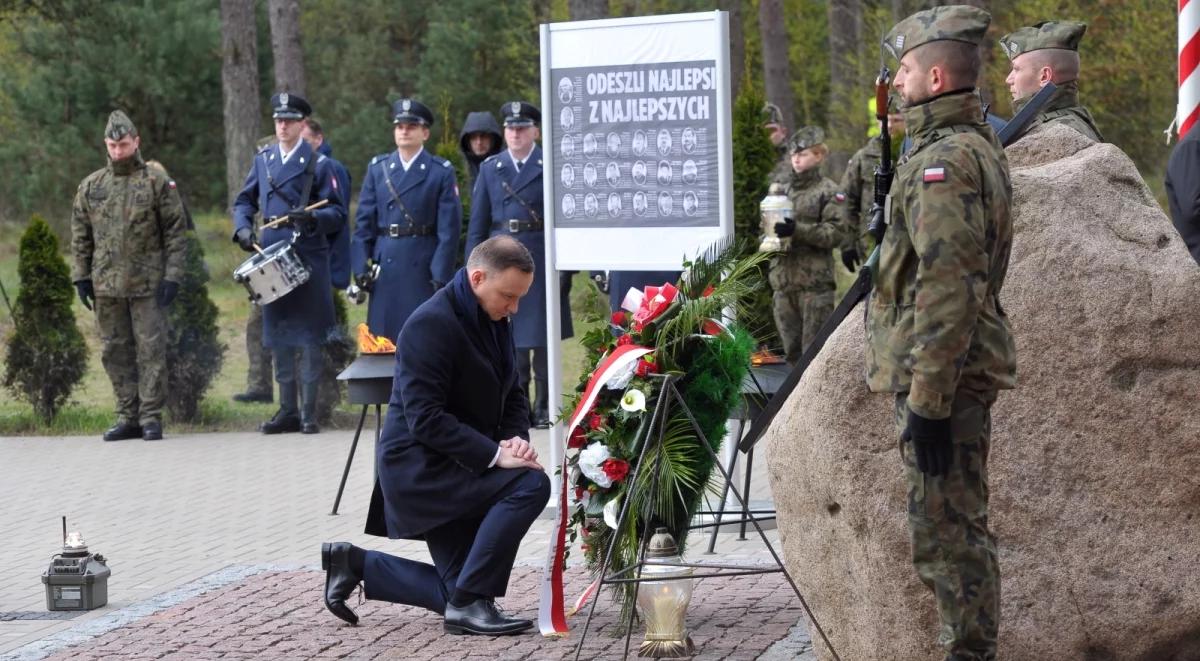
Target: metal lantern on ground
(774, 208)
(663, 603)
(76, 579)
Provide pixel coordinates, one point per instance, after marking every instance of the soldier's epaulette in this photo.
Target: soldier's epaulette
(489, 159)
(445, 163)
(265, 148)
(380, 158)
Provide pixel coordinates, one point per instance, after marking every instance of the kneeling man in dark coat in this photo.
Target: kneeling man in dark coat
(454, 463)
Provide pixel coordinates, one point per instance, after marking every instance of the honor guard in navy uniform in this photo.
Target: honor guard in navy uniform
(285, 178)
(339, 241)
(408, 223)
(507, 199)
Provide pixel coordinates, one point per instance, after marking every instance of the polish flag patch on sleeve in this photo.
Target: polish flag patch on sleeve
(934, 174)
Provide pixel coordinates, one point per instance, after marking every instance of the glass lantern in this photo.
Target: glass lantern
(774, 208)
(662, 603)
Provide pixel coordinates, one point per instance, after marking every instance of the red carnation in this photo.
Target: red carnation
(615, 469)
(624, 339)
(619, 317)
(595, 421)
(577, 439)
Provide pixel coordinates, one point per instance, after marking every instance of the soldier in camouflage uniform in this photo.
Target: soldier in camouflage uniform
(128, 246)
(777, 133)
(936, 334)
(1049, 52)
(858, 183)
(802, 274)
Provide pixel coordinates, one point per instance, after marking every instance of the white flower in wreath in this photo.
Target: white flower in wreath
(634, 401)
(611, 509)
(621, 379)
(591, 459)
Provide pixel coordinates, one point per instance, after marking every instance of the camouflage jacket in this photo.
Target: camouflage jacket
(858, 183)
(127, 230)
(1063, 107)
(934, 321)
(808, 261)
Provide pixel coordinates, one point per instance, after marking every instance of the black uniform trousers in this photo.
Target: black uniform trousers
(539, 403)
(475, 553)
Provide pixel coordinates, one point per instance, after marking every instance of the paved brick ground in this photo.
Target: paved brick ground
(279, 615)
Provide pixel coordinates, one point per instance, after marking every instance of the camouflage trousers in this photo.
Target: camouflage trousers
(258, 373)
(952, 549)
(799, 314)
(134, 337)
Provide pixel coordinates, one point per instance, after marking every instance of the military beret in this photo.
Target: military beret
(951, 23)
(289, 106)
(411, 111)
(119, 125)
(809, 136)
(1065, 35)
(519, 113)
(772, 114)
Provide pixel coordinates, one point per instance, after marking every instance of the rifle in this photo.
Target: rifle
(877, 226)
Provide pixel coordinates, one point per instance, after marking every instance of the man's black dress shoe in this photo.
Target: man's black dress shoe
(281, 424)
(340, 579)
(152, 431)
(123, 431)
(310, 428)
(482, 618)
(248, 397)
(541, 423)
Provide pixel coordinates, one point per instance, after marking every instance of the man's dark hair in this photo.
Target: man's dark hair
(314, 126)
(500, 253)
(959, 60)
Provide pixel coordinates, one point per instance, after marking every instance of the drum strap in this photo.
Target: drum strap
(309, 172)
(532, 214)
(396, 196)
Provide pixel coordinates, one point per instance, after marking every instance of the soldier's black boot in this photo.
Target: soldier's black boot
(308, 408)
(340, 579)
(123, 430)
(287, 418)
(247, 397)
(152, 431)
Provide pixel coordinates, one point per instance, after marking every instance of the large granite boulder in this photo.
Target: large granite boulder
(1095, 464)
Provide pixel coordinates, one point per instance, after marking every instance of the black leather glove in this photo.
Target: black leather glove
(304, 221)
(364, 282)
(851, 259)
(785, 228)
(932, 443)
(245, 238)
(87, 294)
(167, 290)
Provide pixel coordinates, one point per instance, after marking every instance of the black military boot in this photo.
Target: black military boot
(248, 397)
(152, 431)
(123, 430)
(281, 423)
(308, 408)
(340, 579)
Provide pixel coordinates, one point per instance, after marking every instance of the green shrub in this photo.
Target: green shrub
(753, 159)
(47, 357)
(194, 351)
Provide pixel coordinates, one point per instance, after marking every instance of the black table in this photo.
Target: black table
(760, 384)
(368, 382)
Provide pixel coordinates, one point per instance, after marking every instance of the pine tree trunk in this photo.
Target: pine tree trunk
(239, 86)
(778, 81)
(737, 45)
(285, 45)
(583, 10)
(849, 89)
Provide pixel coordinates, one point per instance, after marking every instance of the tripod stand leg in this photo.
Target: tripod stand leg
(350, 458)
(733, 453)
(746, 490)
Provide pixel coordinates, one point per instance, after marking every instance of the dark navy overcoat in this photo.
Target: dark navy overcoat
(492, 207)
(339, 241)
(409, 265)
(448, 412)
(304, 316)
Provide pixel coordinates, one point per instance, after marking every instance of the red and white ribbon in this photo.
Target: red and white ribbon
(552, 615)
(1189, 65)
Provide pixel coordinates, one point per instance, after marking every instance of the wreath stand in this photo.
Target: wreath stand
(669, 396)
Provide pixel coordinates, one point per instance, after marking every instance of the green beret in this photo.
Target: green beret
(951, 23)
(119, 125)
(809, 136)
(1064, 35)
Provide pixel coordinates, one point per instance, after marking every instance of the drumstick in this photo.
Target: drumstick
(279, 220)
(258, 248)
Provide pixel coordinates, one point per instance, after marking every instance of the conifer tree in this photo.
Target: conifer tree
(753, 159)
(47, 356)
(194, 351)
